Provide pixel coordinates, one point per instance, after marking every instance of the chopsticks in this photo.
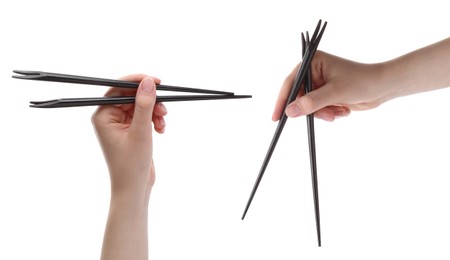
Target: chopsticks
(302, 78)
(66, 78)
(96, 101)
(74, 102)
(312, 146)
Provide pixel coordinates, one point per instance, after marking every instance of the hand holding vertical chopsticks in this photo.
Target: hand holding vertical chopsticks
(353, 86)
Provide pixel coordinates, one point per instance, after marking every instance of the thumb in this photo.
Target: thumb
(311, 102)
(144, 104)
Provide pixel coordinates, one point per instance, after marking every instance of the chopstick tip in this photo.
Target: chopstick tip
(243, 215)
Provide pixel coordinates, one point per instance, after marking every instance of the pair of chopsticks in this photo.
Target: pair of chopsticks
(73, 102)
(303, 78)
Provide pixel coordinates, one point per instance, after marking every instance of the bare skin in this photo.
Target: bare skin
(125, 135)
(342, 85)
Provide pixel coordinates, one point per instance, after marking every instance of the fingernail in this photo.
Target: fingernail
(161, 130)
(148, 86)
(342, 113)
(293, 110)
(328, 118)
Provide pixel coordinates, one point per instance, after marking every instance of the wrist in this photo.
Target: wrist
(388, 81)
(133, 193)
(132, 185)
(131, 201)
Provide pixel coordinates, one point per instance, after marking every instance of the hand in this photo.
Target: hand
(339, 86)
(125, 135)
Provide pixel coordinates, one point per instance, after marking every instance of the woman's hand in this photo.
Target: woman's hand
(342, 85)
(339, 86)
(125, 135)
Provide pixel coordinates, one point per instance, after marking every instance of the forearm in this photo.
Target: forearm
(126, 233)
(422, 70)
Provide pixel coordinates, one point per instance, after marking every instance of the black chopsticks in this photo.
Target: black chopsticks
(312, 145)
(303, 77)
(74, 102)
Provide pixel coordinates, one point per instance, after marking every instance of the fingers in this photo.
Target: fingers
(323, 101)
(311, 102)
(331, 113)
(144, 106)
(159, 109)
(158, 117)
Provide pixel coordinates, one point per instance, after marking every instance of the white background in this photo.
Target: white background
(383, 174)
